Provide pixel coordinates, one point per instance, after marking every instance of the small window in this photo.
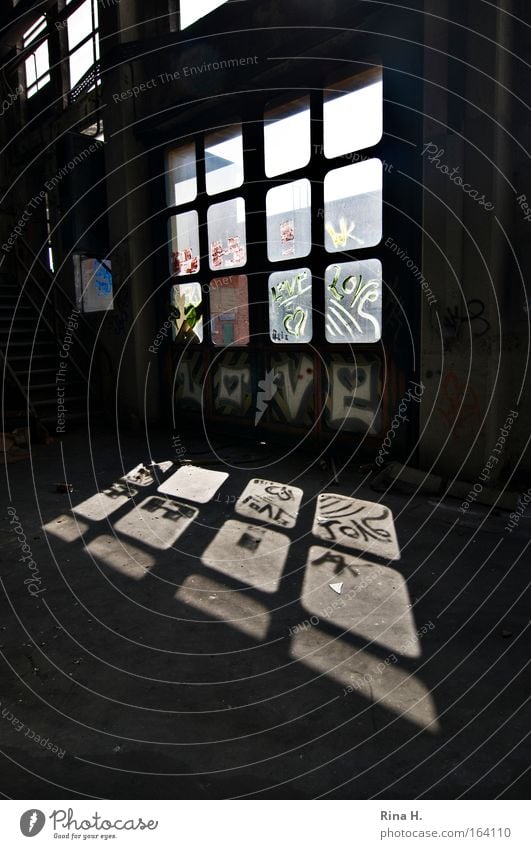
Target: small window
(93, 283)
(289, 228)
(181, 175)
(287, 137)
(224, 160)
(187, 303)
(83, 44)
(353, 114)
(353, 301)
(290, 306)
(226, 234)
(229, 310)
(184, 244)
(37, 65)
(353, 206)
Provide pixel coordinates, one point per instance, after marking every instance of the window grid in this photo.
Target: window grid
(359, 290)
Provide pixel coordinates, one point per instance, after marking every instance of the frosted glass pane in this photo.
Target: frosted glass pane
(187, 303)
(184, 254)
(181, 175)
(42, 60)
(226, 234)
(229, 310)
(193, 10)
(289, 225)
(290, 306)
(353, 301)
(31, 72)
(353, 206)
(287, 137)
(353, 114)
(224, 160)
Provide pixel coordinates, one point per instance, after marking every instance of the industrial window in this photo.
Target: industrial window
(37, 64)
(83, 43)
(213, 307)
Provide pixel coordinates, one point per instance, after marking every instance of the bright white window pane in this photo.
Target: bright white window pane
(353, 301)
(353, 114)
(289, 225)
(226, 234)
(290, 306)
(353, 206)
(187, 303)
(31, 72)
(181, 175)
(224, 160)
(42, 61)
(79, 24)
(184, 243)
(229, 310)
(34, 31)
(80, 62)
(287, 137)
(193, 10)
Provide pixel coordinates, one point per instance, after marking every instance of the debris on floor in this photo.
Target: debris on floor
(407, 480)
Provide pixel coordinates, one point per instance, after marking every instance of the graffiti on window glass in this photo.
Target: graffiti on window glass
(290, 306)
(187, 315)
(353, 301)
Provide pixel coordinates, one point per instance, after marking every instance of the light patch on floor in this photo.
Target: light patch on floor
(374, 603)
(193, 484)
(271, 502)
(143, 475)
(101, 505)
(366, 526)
(248, 553)
(363, 674)
(121, 556)
(66, 528)
(157, 522)
(235, 608)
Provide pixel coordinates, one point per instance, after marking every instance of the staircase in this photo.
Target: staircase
(32, 332)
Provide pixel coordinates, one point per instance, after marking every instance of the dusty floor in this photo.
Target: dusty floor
(171, 672)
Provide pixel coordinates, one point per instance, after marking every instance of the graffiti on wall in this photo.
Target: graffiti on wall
(353, 401)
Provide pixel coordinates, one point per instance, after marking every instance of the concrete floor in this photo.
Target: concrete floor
(171, 673)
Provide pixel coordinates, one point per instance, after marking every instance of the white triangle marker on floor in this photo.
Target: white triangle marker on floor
(336, 587)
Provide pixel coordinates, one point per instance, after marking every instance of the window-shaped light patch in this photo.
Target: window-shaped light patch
(80, 25)
(290, 306)
(224, 160)
(287, 137)
(353, 206)
(187, 313)
(226, 234)
(184, 252)
(353, 301)
(353, 114)
(289, 227)
(229, 310)
(181, 175)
